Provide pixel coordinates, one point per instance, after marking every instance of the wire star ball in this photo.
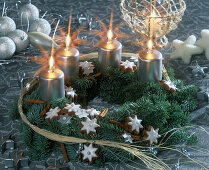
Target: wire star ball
(152, 19)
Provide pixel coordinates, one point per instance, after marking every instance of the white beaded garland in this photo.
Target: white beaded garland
(6, 25)
(20, 39)
(28, 12)
(7, 48)
(40, 25)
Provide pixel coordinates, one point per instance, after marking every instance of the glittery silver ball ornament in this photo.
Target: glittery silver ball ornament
(40, 25)
(28, 12)
(7, 48)
(6, 25)
(20, 39)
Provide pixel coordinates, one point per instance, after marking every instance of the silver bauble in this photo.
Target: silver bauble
(6, 25)
(41, 40)
(7, 48)
(20, 39)
(28, 12)
(40, 25)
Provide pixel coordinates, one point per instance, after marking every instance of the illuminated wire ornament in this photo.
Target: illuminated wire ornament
(165, 16)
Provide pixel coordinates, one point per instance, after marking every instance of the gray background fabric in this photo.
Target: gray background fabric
(195, 19)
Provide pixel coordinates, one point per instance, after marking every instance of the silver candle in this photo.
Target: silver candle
(68, 62)
(110, 53)
(150, 66)
(51, 84)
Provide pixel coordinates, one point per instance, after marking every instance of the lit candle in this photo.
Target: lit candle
(67, 60)
(51, 82)
(150, 65)
(110, 53)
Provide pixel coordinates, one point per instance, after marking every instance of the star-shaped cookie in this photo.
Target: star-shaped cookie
(72, 107)
(186, 49)
(87, 67)
(89, 153)
(93, 112)
(151, 135)
(70, 92)
(135, 123)
(52, 113)
(81, 113)
(89, 126)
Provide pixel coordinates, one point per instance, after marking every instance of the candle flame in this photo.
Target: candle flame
(150, 45)
(109, 35)
(51, 64)
(68, 41)
(68, 38)
(153, 14)
(51, 60)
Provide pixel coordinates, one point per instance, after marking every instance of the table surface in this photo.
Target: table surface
(195, 19)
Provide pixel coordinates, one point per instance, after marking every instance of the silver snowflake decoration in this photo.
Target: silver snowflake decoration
(127, 137)
(65, 119)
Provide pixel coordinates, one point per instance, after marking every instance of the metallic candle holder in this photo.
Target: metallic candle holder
(51, 84)
(110, 55)
(150, 67)
(68, 62)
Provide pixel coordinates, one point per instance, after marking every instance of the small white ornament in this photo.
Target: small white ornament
(152, 135)
(7, 48)
(81, 113)
(186, 49)
(70, 92)
(134, 58)
(93, 112)
(72, 107)
(204, 42)
(127, 137)
(7, 24)
(38, 39)
(64, 119)
(28, 12)
(40, 25)
(128, 64)
(20, 39)
(89, 125)
(52, 113)
(135, 123)
(88, 67)
(89, 152)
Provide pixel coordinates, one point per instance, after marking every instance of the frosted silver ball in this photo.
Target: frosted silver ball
(6, 25)
(40, 25)
(28, 12)
(7, 48)
(20, 39)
